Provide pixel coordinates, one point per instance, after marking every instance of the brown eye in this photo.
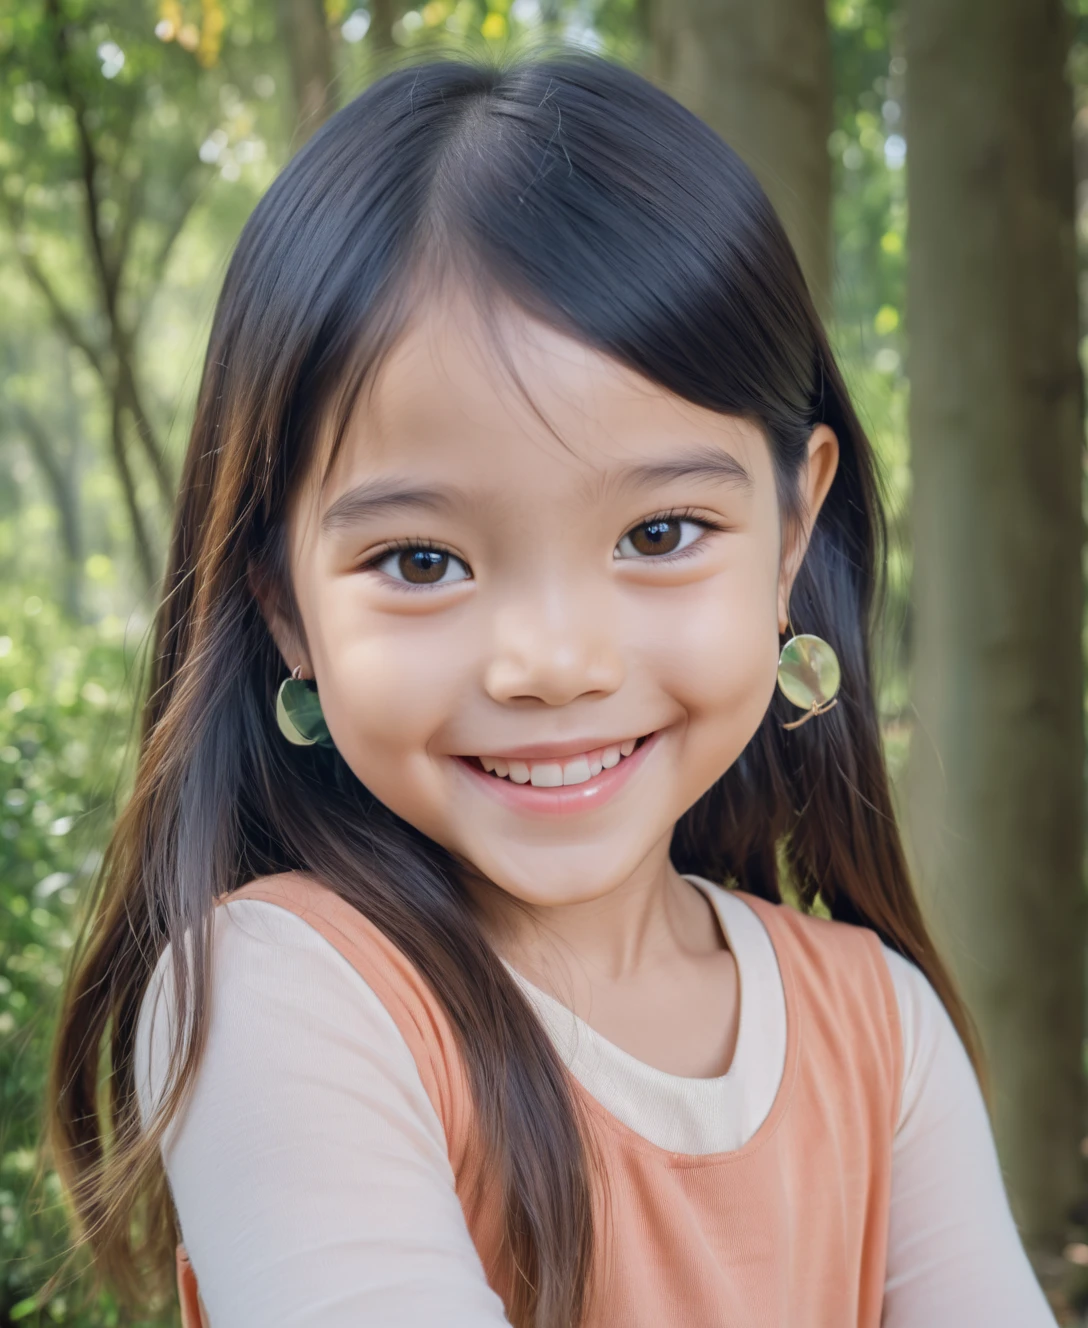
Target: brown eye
(656, 536)
(661, 535)
(421, 565)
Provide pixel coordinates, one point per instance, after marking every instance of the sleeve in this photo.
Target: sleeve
(308, 1169)
(954, 1253)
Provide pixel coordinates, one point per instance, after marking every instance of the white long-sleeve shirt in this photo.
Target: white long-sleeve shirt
(310, 1173)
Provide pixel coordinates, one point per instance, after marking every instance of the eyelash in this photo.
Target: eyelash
(677, 514)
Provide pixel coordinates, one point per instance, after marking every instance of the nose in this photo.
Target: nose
(553, 647)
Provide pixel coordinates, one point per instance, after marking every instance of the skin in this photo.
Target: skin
(537, 632)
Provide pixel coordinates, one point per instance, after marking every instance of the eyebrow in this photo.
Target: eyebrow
(706, 463)
(379, 497)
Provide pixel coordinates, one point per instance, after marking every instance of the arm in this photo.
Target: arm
(954, 1254)
(309, 1169)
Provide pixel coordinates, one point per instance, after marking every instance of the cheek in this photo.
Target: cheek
(384, 704)
(388, 685)
(388, 695)
(718, 655)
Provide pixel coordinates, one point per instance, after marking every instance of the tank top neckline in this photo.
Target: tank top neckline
(632, 1138)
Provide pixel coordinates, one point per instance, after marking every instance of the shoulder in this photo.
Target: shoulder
(266, 926)
(837, 952)
(343, 924)
(888, 994)
(270, 975)
(293, 892)
(307, 1163)
(921, 1013)
(934, 1057)
(289, 943)
(288, 932)
(841, 1001)
(807, 947)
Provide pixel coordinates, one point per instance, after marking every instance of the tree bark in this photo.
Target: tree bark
(309, 52)
(145, 555)
(760, 74)
(383, 14)
(106, 265)
(996, 784)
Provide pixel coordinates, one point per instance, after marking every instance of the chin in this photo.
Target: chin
(562, 896)
(568, 879)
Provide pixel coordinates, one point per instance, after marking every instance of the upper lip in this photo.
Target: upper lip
(544, 751)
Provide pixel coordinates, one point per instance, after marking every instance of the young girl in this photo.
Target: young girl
(440, 966)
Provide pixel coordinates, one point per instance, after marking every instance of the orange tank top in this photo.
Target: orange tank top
(788, 1231)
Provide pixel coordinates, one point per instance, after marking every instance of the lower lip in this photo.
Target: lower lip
(567, 798)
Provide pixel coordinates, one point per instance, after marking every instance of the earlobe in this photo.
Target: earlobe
(783, 615)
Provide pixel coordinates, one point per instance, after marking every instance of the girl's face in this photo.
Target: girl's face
(528, 580)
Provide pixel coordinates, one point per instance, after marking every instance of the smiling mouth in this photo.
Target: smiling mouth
(557, 772)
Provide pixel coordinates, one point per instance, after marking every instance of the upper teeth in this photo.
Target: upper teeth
(568, 770)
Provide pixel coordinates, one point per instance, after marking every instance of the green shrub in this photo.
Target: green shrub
(66, 707)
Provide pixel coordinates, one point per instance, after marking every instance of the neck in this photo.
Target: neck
(653, 918)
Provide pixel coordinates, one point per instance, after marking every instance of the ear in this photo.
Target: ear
(293, 650)
(814, 481)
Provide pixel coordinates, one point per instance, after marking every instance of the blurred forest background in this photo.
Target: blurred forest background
(136, 136)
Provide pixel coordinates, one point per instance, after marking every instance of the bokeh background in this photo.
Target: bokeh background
(930, 159)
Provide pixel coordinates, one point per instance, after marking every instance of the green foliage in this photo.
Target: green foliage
(494, 27)
(65, 711)
(119, 146)
(868, 155)
(172, 135)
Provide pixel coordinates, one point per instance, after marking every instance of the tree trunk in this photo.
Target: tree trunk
(309, 52)
(145, 555)
(383, 14)
(62, 479)
(996, 784)
(760, 74)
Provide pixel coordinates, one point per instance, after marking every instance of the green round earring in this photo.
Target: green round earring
(298, 713)
(808, 675)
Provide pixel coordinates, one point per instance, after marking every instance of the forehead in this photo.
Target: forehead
(506, 406)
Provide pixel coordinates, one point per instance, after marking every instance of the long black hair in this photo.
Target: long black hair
(593, 201)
